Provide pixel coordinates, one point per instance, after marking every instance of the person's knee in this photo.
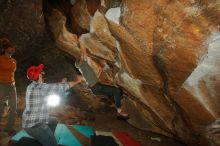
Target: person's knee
(53, 120)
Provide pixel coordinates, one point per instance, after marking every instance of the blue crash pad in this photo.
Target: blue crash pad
(19, 135)
(62, 134)
(85, 130)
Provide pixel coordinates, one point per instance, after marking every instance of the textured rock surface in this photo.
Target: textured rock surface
(164, 54)
(156, 50)
(152, 51)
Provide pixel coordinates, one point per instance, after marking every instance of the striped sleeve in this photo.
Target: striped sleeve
(57, 88)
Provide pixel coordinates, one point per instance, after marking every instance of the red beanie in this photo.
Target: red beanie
(34, 71)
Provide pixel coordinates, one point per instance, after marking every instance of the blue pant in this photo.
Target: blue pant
(44, 133)
(107, 90)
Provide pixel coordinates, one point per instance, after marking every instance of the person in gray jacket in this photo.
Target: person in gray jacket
(96, 87)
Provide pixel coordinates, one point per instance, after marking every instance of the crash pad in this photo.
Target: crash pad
(65, 137)
(126, 139)
(62, 134)
(85, 130)
(19, 135)
(26, 141)
(100, 140)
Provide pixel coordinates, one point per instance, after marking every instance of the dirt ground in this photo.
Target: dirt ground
(102, 120)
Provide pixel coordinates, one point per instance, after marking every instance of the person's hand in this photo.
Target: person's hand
(76, 81)
(64, 80)
(82, 47)
(83, 52)
(79, 78)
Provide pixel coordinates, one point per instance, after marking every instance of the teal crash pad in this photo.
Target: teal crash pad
(84, 130)
(19, 135)
(62, 134)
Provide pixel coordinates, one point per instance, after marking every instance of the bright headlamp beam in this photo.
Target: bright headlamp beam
(53, 100)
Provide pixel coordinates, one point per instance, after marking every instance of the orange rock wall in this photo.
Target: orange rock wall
(156, 51)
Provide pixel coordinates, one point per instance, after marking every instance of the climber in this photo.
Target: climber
(35, 119)
(96, 87)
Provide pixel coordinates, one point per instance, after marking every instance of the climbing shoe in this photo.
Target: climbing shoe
(122, 116)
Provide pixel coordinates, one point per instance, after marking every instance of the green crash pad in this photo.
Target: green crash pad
(62, 134)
